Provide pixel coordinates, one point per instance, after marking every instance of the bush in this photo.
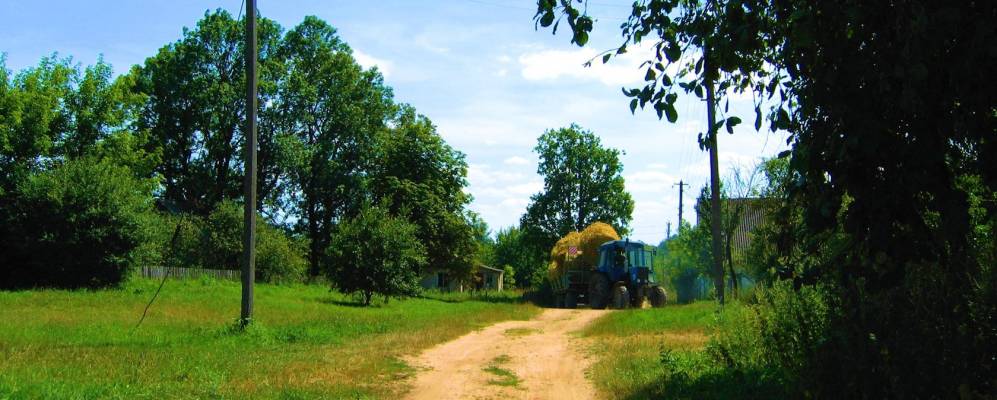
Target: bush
(215, 242)
(759, 348)
(375, 253)
(279, 258)
(77, 225)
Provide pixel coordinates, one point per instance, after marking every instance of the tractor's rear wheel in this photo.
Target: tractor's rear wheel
(598, 294)
(570, 300)
(621, 297)
(658, 297)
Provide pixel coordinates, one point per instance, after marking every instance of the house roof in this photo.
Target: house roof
(496, 270)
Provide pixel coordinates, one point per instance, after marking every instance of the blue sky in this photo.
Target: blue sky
(477, 68)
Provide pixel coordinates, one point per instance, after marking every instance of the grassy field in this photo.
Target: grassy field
(306, 342)
(629, 347)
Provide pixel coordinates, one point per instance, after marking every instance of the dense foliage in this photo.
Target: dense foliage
(892, 117)
(513, 247)
(76, 225)
(422, 178)
(375, 253)
(215, 242)
(331, 139)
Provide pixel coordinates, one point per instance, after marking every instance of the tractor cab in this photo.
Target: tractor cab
(627, 260)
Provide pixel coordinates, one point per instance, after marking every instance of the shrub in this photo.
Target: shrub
(509, 278)
(375, 253)
(774, 340)
(215, 242)
(279, 258)
(76, 225)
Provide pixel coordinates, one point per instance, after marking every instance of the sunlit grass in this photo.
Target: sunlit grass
(628, 346)
(305, 341)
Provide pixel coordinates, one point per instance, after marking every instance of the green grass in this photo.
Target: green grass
(629, 347)
(503, 377)
(306, 342)
(517, 332)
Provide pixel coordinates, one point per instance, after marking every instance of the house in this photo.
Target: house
(751, 214)
(482, 278)
(488, 278)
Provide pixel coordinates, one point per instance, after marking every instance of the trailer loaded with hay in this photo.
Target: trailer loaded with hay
(598, 268)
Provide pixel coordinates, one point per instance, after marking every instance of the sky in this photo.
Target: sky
(478, 68)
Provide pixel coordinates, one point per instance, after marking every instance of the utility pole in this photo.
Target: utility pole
(249, 183)
(669, 233)
(711, 137)
(681, 186)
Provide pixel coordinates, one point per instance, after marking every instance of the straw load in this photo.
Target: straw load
(586, 243)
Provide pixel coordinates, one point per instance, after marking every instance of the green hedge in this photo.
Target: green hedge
(76, 225)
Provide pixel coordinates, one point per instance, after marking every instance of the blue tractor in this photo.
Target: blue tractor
(623, 278)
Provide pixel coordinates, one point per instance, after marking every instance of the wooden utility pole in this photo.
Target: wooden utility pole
(711, 137)
(249, 183)
(681, 186)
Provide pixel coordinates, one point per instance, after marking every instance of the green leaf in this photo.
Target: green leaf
(547, 19)
(650, 76)
(605, 58)
(758, 118)
(633, 106)
(673, 53)
(670, 113)
(581, 37)
(731, 123)
(699, 91)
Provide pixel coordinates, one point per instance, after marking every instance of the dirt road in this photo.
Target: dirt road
(535, 359)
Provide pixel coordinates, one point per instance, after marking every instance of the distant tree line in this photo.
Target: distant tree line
(97, 171)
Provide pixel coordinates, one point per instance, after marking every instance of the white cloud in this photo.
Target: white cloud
(625, 69)
(516, 160)
(649, 181)
(368, 61)
(501, 195)
(554, 64)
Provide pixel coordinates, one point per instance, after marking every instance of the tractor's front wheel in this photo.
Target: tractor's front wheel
(598, 294)
(621, 297)
(658, 297)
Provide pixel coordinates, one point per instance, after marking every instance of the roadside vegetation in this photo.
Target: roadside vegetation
(305, 342)
(876, 259)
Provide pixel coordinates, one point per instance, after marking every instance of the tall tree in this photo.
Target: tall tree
(195, 108)
(333, 110)
(423, 178)
(582, 185)
(33, 117)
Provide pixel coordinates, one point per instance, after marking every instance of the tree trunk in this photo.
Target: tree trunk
(314, 246)
(715, 218)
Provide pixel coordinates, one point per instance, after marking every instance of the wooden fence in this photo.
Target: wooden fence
(190, 273)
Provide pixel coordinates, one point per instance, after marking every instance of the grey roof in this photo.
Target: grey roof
(491, 269)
